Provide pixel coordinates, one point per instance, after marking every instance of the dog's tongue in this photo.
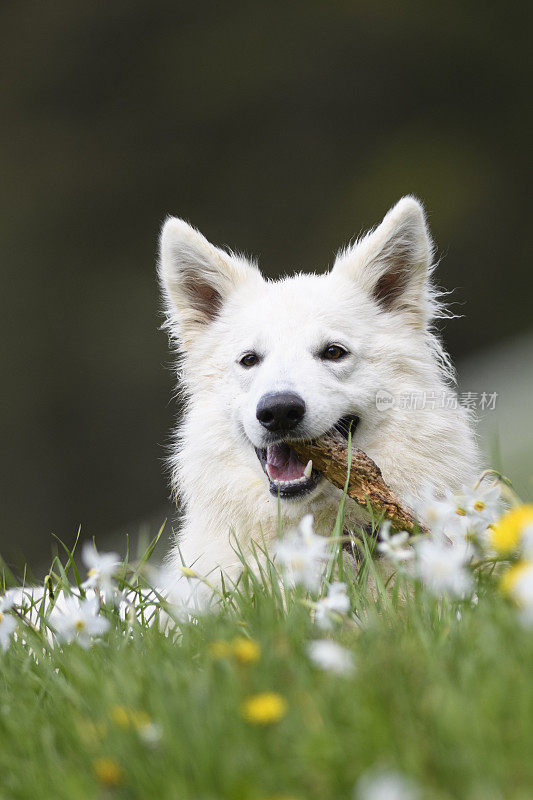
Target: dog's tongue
(283, 463)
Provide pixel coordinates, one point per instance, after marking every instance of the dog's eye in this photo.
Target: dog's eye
(249, 360)
(334, 352)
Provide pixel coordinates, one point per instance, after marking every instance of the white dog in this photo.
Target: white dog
(266, 362)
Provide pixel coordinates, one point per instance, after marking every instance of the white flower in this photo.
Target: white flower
(393, 546)
(7, 627)
(78, 620)
(336, 602)
(303, 555)
(8, 600)
(520, 588)
(527, 541)
(331, 657)
(386, 785)
(464, 517)
(150, 734)
(101, 569)
(186, 594)
(474, 510)
(442, 568)
(436, 510)
(482, 505)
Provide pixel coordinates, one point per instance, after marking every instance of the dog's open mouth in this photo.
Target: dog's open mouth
(289, 477)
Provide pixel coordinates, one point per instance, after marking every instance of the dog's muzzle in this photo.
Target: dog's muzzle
(289, 477)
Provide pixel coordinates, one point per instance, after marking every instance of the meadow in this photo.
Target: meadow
(307, 680)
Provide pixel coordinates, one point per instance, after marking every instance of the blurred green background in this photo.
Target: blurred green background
(281, 129)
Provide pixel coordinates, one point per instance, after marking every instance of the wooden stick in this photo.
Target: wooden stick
(329, 454)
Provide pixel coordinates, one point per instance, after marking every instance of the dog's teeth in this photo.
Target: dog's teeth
(307, 470)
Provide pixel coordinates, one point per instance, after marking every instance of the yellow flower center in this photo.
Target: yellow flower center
(507, 531)
(479, 505)
(219, 649)
(120, 716)
(1, 617)
(108, 771)
(79, 625)
(92, 572)
(460, 511)
(264, 709)
(246, 650)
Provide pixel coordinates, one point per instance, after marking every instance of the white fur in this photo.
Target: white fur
(219, 307)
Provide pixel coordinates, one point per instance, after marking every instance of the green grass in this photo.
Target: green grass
(444, 698)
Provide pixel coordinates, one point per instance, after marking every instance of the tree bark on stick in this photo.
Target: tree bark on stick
(329, 454)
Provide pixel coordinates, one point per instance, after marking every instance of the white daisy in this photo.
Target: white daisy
(385, 785)
(8, 624)
(186, 594)
(441, 568)
(8, 600)
(436, 510)
(331, 657)
(334, 604)
(520, 587)
(303, 555)
(394, 546)
(101, 569)
(78, 620)
(482, 505)
(527, 541)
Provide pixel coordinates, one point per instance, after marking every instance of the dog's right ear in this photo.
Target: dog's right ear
(196, 277)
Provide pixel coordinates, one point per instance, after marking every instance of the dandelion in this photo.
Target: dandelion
(442, 569)
(332, 606)
(264, 709)
(506, 534)
(303, 555)
(108, 772)
(120, 716)
(101, 569)
(78, 620)
(393, 546)
(246, 651)
(385, 785)
(219, 649)
(149, 733)
(331, 657)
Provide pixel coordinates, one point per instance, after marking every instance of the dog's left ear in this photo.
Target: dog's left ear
(392, 263)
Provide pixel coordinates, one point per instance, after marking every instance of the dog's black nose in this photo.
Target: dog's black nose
(280, 411)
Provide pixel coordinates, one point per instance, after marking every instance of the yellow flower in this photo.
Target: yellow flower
(246, 651)
(120, 716)
(220, 649)
(108, 771)
(140, 719)
(511, 576)
(507, 531)
(264, 709)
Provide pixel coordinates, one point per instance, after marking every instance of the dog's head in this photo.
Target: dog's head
(291, 359)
